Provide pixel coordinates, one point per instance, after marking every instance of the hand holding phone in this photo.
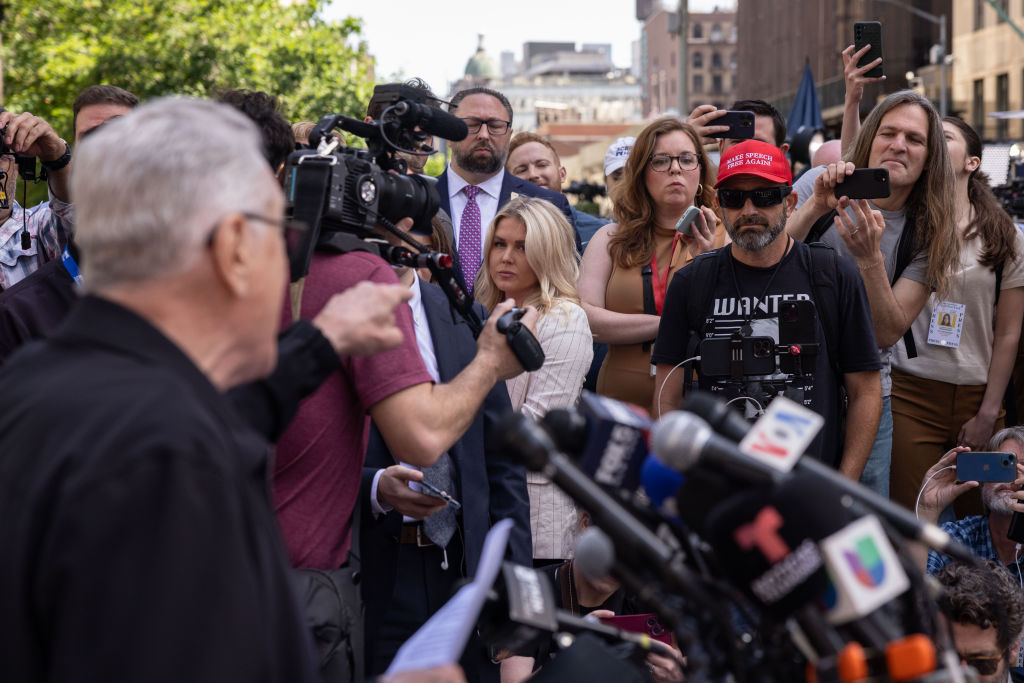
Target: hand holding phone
(863, 183)
(640, 623)
(432, 490)
(986, 466)
(684, 226)
(868, 33)
(741, 125)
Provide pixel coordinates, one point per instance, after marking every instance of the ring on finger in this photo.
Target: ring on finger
(854, 231)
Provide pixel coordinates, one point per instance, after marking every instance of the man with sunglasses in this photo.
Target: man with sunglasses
(985, 607)
(733, 296)
(475, 186)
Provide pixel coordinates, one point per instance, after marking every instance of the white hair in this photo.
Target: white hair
(149, 187)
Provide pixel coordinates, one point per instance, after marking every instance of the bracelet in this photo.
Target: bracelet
(61, 161)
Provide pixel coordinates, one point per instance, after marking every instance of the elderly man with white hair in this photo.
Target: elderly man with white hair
(138, 541)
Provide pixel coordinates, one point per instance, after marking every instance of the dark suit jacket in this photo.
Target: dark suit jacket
(491, 488)
(510, 184)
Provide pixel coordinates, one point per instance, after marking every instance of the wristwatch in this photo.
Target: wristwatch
(61, 161)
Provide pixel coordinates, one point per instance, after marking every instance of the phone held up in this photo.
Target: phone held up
(864, 183)
(869, 33)
(741, 125)
(986, 466)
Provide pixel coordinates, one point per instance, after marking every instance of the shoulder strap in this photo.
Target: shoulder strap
(826, 296)
(999, 280)
(904, 255)
(649, 306)
(705, 271)
(820, 227)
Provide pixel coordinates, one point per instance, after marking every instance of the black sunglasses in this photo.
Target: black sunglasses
(762, 198)
(985, 666)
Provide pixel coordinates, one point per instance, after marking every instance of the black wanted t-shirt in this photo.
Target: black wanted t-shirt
(754, 307)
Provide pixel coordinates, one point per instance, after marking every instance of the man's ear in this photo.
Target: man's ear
(561, 175)
(791, 200)
(784, 147)
(233, 253)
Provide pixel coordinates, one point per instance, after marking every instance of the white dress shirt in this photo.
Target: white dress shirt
(486, 199)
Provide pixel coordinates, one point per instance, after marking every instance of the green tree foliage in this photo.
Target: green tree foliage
(54, 49)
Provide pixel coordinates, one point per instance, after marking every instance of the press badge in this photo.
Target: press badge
(947, 325)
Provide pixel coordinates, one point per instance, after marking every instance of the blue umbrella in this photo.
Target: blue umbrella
(806, 110)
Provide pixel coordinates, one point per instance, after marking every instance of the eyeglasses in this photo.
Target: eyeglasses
(663, 162)
(494, 126)
(291, 230)
(762, 198)
(985, 666)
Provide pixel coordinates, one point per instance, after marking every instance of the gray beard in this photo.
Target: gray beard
(756, 242)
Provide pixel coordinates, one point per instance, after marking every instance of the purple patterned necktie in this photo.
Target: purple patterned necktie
(469, 237)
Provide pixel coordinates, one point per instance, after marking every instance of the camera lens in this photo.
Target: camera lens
(880, 176)
(412, 196)
(762, 348)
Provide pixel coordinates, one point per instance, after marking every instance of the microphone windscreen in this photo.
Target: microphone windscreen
(767, 541)
(595, 554)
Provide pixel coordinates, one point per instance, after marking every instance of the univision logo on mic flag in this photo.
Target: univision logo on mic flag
(863, 568)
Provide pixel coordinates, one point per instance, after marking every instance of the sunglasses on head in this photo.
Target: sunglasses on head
(762, 198)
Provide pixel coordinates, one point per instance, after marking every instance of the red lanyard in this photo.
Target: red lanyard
(660, 289)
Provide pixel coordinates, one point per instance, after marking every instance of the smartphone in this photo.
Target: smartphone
(685, 224)
(741, 125)
(432, 490)
(716, 356)
(986, 466)
(864, 183)
(640, 623)
(864, 33)
(798, 326)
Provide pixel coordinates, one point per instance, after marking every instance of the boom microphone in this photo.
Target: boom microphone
(431, 120)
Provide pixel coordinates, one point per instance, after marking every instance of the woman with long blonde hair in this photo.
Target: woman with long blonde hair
(531, 257)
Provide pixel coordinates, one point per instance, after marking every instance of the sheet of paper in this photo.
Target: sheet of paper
(443, 638)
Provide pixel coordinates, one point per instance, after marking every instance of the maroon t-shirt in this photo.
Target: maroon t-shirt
(320, 456)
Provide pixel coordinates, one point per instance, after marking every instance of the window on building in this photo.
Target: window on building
(716, 60)
(1005, 6)
(716, 33)
(732, 33)
(732, 61)
(698, 30)
(672, 59)
(698, 60)
(979, 14)
(698, 83)
(716, 84)
(672, 87)
(1002, 104)
(978, 106)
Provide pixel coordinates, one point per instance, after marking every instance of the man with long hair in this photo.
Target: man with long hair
(904, 245)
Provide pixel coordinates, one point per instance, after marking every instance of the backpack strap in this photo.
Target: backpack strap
(705, 271)
(904, 255)
(826, 296)
(820, 227)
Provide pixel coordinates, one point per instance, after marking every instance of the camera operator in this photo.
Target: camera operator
(751, 279)
(320, 455)
(31, 237)
(36, 304)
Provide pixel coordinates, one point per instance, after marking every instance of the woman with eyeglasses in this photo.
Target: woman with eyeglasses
(628, 265)
(531, 257)
(951, 393)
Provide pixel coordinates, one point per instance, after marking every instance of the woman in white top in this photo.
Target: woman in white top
(951, 393)
(531, 257)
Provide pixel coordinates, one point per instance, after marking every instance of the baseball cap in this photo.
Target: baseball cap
(755, 158)
(615, 157)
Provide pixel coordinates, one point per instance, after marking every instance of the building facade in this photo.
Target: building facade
(988, 66)
(776, 38)
(711, 63)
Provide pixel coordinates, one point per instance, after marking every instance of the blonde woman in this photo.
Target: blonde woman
(531, 257)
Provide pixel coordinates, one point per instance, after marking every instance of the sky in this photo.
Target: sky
(434, 39)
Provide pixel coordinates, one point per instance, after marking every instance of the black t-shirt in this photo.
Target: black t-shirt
(748, 300)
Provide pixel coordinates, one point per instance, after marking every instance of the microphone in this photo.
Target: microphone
(533, 447)
(728, 423)
(681, 439)
(431, 120)
(608, 438)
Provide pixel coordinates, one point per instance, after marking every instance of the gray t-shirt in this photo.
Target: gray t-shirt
(916, 270)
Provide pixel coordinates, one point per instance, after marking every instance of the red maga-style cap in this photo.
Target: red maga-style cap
(755, 158)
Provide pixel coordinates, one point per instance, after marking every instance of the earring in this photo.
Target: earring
(700, 189)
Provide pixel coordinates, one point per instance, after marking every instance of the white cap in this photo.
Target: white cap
(615, 157)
